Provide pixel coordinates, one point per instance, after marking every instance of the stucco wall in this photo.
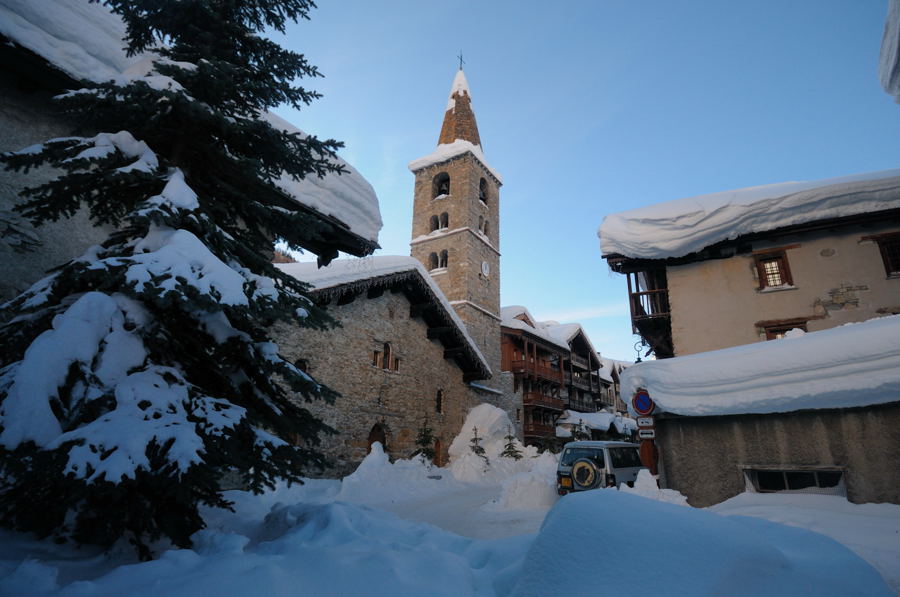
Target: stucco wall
(27, 116)
(837, 277)
(399, 401)
(704, 457)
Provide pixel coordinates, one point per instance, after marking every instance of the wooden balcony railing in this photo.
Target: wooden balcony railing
(538, 399)
(538, 429)
(649, 303)
(579, 381)
(581, 362)
(537, 370)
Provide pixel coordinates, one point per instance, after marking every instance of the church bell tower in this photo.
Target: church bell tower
(456, 222)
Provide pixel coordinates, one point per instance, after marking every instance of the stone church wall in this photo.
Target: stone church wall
(398, 401)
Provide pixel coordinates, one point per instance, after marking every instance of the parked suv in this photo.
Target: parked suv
(590, 464)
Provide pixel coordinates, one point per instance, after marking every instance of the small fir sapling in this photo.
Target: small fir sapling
(134, 377)
(477, 448)
(425, 442)
(510, 449)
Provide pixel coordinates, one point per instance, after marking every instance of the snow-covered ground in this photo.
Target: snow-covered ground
(405, 528)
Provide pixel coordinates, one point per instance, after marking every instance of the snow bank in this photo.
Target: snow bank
(377, 479)
(534, 489)
(870, 530)
(646, 486)
(852, 365)
(889, 60)
(601, 421)
(684, 226)
(609, 542)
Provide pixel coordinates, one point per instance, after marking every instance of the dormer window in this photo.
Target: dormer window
(435, 223)
(483, 191)
(445, 220)
(441, 185)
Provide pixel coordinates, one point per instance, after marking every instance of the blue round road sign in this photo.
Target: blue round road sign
(642, 403)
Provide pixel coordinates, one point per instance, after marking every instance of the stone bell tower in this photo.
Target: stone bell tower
(456, 223)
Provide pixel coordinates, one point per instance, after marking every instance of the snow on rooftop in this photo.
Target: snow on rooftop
(599, 421)
(509, 318)
(848, 366)
(447, 151)
(889, 61)
(85, 40)
(460, 86)
(684, 226)
(347, 271)
(607, 366)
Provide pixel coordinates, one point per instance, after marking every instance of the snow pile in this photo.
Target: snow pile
(530, 490)
(377, 479)
(601, 421)
(870, 530)
(684, 226)
(448, 151)
(646, 486)
(493, 425)
(852, 365)
(609, 542)
(889, 60)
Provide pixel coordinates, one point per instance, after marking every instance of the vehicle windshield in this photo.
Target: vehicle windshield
(570, 455)
(624, 457)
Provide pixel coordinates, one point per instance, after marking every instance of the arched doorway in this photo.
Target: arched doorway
(438, 454)
(377, 434)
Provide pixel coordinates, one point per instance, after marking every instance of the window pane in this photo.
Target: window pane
(829, 478)
(772, 272)
(800, 479)
(624, 457)
(770, 480)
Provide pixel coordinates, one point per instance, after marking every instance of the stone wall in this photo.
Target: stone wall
(705, 457)
(27, 116)
(398, 401)
(837, 276)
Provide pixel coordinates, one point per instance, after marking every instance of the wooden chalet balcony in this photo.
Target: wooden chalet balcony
(648, 304)
(583, 406)
(538, 429)
(537, 370)
(580, 362)
(538, 399)
(582, 382)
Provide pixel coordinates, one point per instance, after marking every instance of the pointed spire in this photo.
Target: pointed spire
(459, 120)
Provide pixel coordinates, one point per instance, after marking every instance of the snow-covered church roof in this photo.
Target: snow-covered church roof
(368, 270)
(889, 61)
(84, 40)
(853, 365)
(684, 226)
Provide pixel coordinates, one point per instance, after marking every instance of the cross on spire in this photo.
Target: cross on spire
(461, 61)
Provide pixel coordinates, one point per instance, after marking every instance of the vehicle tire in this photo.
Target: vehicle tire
(585, 474)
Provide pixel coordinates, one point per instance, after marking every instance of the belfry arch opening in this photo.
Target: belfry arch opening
(440, 185)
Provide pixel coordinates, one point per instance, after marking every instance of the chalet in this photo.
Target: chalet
(743, 266)
(402, 357)
(814, 412)
(47, 47)
(582, 390)
(610, 373)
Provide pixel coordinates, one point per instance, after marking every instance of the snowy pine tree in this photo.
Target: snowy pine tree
(510, 449)
(425, 442)
(134, 377)
(477, 448)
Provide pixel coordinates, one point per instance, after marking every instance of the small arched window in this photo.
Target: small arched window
(445, 220)
(444, 259)
(440, 185)
(439, 401)
(483, 190)
(486, 223)
(480, 223)
(387, 357)
(435, 223)
(433, 261)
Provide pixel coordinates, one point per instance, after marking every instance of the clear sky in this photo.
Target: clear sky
(597, 106)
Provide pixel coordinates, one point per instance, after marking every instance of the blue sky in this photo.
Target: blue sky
(592, 107)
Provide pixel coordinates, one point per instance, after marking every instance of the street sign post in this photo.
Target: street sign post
(647, 433)
(642, 403)
(645, 421)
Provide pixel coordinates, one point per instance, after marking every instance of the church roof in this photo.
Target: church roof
(459, 119)
(345, 278)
